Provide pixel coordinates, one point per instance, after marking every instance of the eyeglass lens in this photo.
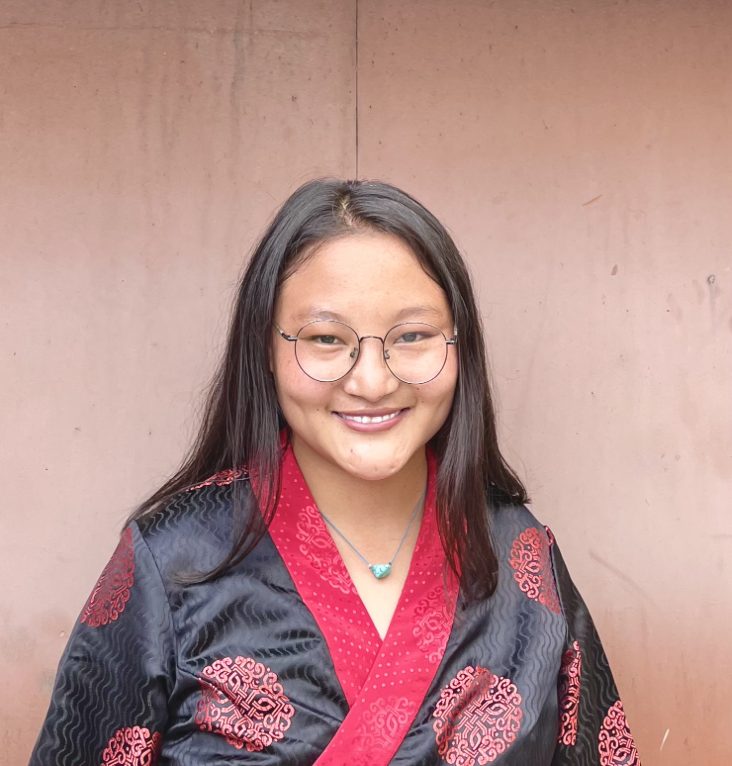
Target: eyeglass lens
(414, 352)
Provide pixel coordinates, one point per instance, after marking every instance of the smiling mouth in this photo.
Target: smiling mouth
(370, 419)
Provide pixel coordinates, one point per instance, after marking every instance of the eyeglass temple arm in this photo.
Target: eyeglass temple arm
(284, 334)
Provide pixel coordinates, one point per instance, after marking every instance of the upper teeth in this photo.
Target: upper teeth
(371, 418)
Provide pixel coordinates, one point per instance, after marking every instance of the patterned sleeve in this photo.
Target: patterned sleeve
(110, 697)
(592, 726)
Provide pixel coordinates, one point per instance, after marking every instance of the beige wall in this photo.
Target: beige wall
(581, 154)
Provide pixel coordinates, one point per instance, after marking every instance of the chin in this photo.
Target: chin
(372, 473)
(373, 467)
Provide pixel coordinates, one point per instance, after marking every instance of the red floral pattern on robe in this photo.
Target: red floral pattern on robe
(243, 701)
(317, 545)
(222, 478)
(615, 742)
(433, 624)
(532, 570)
(477, 717)
(132, 746)
(570, 675)
(112, 590)
(379, 722)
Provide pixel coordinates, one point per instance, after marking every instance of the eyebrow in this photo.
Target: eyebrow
(314, 313)
(418, 312)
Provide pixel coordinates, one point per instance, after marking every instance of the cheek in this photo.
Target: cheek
(446, 382)
(438, 395)
(285, 369)
(442, 390)
(296, 392)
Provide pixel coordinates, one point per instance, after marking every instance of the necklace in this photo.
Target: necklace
(379, 571)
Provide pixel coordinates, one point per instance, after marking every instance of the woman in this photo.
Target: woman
(343, 570)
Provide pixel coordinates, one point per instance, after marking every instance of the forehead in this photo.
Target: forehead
(361, 277)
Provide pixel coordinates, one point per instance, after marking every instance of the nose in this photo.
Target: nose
(370, 378)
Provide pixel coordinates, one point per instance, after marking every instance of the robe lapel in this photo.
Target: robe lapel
(384, 681)
(321, 578)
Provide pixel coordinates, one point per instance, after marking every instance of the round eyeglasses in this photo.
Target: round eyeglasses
(328, 350)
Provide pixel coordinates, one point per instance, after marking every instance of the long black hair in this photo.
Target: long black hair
(242, 421)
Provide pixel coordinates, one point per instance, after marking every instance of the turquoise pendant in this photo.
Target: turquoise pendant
(380, 571)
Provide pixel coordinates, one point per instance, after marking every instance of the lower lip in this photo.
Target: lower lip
(370, 428)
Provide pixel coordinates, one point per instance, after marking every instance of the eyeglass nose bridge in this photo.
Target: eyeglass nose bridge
(384, 351)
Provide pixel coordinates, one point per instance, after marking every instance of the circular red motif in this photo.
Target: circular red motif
(112, 591)
(477, 717)
(532, 568)
(243, 701)
(569, 694)
(615, 742)
(132, 746)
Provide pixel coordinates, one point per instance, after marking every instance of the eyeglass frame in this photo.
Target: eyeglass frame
(452, 341)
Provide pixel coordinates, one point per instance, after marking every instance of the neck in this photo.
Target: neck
(347, 500)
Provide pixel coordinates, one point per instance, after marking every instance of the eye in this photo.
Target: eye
(325, 340)
(410, 337)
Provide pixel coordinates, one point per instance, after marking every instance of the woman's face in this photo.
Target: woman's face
(368, 424)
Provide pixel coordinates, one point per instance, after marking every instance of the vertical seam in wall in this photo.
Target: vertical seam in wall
(356, 88)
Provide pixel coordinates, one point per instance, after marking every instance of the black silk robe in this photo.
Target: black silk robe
(277, 661)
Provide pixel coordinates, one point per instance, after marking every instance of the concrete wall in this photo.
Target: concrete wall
(579, 151)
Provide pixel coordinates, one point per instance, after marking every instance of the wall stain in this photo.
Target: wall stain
(621, 575)
(698, 290)
(674, 308)
(713, 289)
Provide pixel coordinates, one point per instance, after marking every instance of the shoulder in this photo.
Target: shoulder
(508, 520)
(518, 536)
(524, 548)
(196, 527)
